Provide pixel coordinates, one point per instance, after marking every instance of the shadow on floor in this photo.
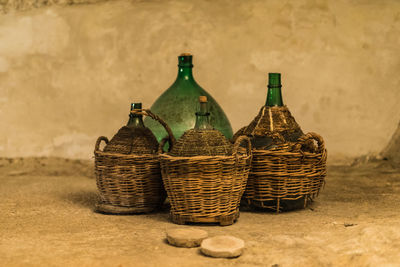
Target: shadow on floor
(89, 199)
(86, 199)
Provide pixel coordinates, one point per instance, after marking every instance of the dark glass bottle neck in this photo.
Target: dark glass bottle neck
(203, 118)
(274, 95)
(135, 120)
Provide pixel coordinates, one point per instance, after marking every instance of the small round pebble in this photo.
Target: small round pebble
(186, 237)
(223, 246)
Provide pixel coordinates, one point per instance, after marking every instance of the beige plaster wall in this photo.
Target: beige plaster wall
(7, 6)
(68, 73)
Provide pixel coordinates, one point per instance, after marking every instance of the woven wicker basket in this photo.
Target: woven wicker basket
(206, 189)
(202, 143)
(289, 173)
(129, 183)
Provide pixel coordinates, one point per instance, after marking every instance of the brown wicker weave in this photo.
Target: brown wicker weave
(206, 189)
(287, 174)
(202, 143)
(133, 141)
(269, 120)
(129, 183)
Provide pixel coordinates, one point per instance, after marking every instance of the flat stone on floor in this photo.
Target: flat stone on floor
(223, 246)
(186, 237)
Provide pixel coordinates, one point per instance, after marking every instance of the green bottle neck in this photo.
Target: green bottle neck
(135, 120)
(185, 73)
(203, 118)
(185, 67)
(274, 95)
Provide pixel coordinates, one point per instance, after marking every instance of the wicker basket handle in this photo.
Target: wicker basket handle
(310, 136)
(147, 112)
(238, 141)
(101, 138)
(237, 134)
(162, 143)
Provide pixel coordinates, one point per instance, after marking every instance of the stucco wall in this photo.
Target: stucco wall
(69, 72)
(7, 6)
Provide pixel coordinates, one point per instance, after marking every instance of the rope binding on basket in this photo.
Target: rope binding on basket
(170, 138)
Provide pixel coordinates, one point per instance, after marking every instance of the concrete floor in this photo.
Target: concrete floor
(47, 219)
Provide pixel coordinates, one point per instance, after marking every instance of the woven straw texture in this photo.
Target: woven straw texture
(206, 189)
(202, 143)
(133, 141)
(271, 120)
(129, 183)
(289, 172)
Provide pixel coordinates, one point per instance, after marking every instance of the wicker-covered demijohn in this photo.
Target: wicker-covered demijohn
(205, 176)
(202, 143)
(287, 177)
(268, 122)
(290, 170)
(128, 173)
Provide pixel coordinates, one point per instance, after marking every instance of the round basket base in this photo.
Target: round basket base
(222, 220)
(280, 205)
(118, 210)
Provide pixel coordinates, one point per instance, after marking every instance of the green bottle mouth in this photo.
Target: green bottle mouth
(135, 106)
(274, 80)
(274, 95)
(185, 60)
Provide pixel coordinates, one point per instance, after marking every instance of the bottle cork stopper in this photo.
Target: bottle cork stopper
(185, 54)
(203, 99)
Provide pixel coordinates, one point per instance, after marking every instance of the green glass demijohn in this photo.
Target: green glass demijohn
(179, 102)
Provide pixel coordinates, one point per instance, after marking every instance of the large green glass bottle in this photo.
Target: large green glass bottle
(178, 103)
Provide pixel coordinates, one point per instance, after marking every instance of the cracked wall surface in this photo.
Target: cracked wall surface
(69, 72)
(392, 150)
(7, 6)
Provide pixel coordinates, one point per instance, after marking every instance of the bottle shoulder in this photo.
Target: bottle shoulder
(186, 86)
(181, 93)
(177, 106)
